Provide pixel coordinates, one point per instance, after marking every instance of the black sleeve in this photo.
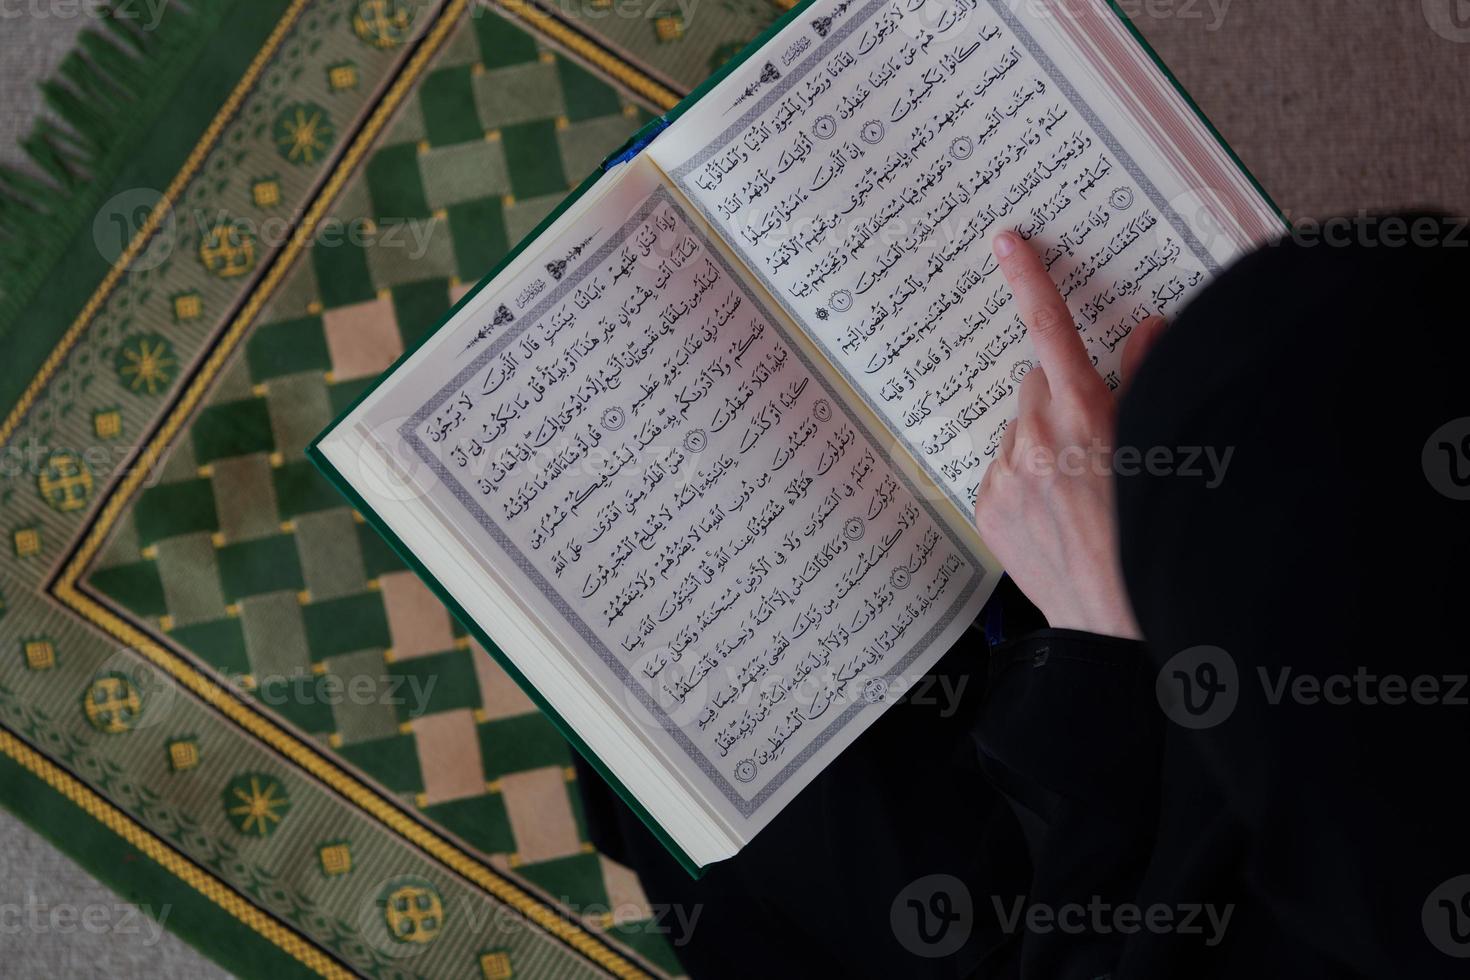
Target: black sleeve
(1071, 735)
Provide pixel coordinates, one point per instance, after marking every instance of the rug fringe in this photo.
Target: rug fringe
(94, 95)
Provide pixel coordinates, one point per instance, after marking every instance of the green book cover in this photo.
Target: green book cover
(635, 146)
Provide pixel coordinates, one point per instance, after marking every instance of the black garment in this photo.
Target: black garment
(1326, 550)
(812, 895)
(1079, 780)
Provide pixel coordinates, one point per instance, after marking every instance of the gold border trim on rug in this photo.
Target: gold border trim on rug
(587, 49)
(362, 796)
(141, 838)
(162, 209)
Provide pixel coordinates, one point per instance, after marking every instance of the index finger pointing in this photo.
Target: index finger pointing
(1045, 313)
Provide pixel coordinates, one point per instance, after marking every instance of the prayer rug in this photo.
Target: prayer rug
(219, 690)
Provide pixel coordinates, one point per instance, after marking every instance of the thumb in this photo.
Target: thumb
(1139, 343)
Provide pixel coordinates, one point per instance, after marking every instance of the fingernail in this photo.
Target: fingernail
(1005, 243)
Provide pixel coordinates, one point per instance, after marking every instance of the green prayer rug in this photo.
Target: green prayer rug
(220, 691)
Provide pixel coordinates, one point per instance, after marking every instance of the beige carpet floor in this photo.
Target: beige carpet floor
(1334, 105)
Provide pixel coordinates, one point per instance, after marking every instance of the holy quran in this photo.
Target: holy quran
(697, 464)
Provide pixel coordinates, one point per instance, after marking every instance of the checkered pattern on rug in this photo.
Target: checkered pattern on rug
(242, 554)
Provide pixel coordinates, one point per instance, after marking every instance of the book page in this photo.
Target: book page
(633, 442)
(861, 162)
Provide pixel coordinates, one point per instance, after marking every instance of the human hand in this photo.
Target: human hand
(1045, 506)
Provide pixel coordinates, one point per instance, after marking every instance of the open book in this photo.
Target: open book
(697, 463)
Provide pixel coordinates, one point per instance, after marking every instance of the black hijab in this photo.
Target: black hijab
(1326, 572)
